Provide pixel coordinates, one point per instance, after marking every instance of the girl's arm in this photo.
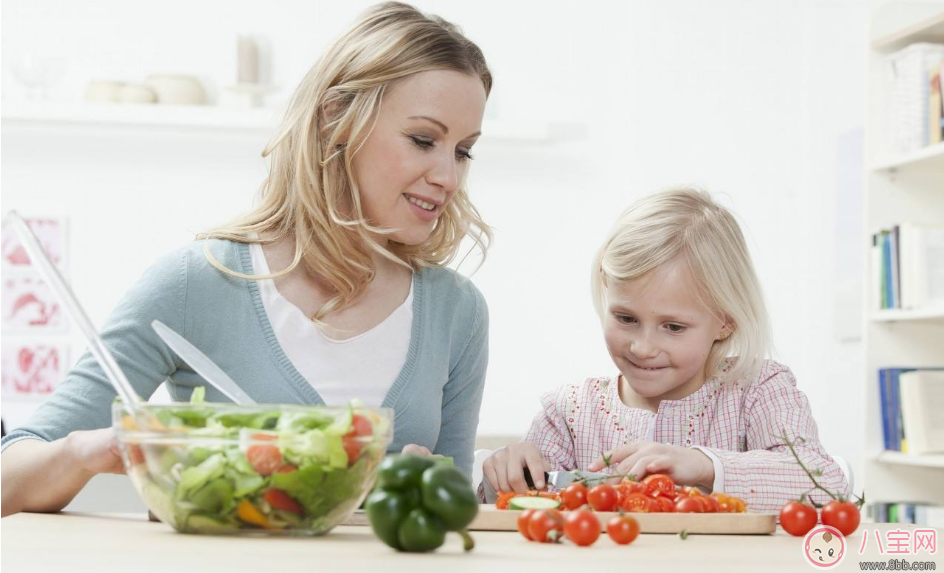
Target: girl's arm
(767, 475)
(550, 433)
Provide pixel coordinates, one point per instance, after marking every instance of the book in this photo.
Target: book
(921, 395)
(934, 105)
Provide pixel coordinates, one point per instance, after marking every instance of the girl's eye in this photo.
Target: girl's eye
(625, 319)
(676, 328)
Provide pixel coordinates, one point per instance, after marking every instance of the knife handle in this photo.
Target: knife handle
(530, 482)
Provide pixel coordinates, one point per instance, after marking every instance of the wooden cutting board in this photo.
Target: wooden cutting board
(492, 519)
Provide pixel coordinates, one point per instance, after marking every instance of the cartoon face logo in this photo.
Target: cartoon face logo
(824, 547)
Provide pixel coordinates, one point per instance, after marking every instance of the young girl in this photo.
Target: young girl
(685, 324)
(333, 287)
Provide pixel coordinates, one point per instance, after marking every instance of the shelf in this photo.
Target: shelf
(927, 29)
(931, 156)
(895, 315)
(898, 458)
(262, 121)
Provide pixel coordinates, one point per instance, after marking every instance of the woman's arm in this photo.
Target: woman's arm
(462, 395)
(69, 439)
(45, 476)
(767, 474)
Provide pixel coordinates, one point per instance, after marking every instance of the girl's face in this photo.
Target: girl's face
(658, 334)
(417, 155)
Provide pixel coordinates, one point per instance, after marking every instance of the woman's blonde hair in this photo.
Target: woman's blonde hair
(686, 222)
(311, 192)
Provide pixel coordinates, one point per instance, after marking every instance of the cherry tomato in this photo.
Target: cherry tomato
(622, 529)
(546, 526)
(638, 502)
(264, 458)
(663, 504)
(602, 497)
(843, 515)
(738, 504)
(689, 505)
(797, 518)
(281, 500)
(660, 483)
(286, 469)
(709, 503)
(582, 527)
(523, 520)
(574, 496)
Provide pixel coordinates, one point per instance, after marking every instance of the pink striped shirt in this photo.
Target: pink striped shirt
(738, 424)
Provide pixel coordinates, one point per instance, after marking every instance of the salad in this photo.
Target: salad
(222, 468)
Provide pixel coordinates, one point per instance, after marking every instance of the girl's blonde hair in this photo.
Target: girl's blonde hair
(686, 222)
(311, 174)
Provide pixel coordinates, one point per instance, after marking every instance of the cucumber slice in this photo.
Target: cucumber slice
(159, 502)
(532, 503)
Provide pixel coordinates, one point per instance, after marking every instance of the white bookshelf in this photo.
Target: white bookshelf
(898, 188)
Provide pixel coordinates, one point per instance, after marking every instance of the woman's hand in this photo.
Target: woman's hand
(96, 451)
(504, 470)
(415, 449)
(687, 466)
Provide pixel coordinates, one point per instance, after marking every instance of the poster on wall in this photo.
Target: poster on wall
(51, 232)
(31, 369)
(29, 305)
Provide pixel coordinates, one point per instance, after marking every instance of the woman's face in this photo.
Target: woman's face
(417, 155)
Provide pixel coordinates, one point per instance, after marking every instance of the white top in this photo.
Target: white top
(364, 366)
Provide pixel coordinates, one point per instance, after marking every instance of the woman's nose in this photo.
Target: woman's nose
(445, 173)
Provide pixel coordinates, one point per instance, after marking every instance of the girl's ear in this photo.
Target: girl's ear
(726, 330)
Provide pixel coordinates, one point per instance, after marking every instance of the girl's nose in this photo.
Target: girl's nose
(643, 348)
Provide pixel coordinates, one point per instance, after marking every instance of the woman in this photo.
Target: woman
(334, 287)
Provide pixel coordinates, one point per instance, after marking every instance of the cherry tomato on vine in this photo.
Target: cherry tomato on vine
(843, 515)
(574, 496)
(546, 526)
(622, 529)
(602, 497)
(524, 520)
(797, 518)
(582, 527)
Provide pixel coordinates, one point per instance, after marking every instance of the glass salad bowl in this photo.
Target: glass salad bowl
(261, 469)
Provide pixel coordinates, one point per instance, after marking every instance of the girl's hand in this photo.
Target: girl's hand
(96, 451)
(687, 466)
(504, 470)
(418, 450)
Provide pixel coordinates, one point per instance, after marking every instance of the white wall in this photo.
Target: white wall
(748, 98)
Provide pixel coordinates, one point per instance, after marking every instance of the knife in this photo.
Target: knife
(558, 479)
(201, 364)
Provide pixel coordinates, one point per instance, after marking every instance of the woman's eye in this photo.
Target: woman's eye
(676, 328)
(463, 154)
(420, 142)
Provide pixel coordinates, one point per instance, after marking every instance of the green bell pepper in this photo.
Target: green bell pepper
(417, 500)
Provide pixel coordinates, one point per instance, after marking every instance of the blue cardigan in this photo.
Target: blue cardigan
(436, 397)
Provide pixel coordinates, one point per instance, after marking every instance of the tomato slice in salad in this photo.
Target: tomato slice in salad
(278, 499)
(264, 458)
